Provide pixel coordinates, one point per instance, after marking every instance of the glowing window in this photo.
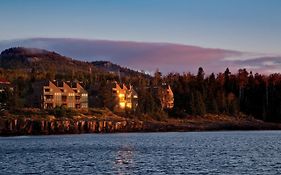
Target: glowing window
(122, 104)
(129, 105)
(121, 95)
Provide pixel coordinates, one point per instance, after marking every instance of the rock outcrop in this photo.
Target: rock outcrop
(47, 125)
(28, 126)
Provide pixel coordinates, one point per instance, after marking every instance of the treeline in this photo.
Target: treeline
(194, 94)
(226, 93)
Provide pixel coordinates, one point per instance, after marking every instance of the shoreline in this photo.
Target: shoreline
(21, 126)
(142, 132)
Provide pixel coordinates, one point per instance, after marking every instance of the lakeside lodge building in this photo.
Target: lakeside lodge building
(51, 94)
(125, 98)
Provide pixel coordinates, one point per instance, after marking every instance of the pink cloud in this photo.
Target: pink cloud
(146, 56)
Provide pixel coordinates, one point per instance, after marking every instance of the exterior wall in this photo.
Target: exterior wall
(51, 96)
(64, 95)
(4, 84)
(134, 98)
(118, 94)
(126, 99)
(81, 97)
(68, 96)
(167, 97)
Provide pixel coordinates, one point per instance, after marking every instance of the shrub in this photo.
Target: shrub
(61, 112)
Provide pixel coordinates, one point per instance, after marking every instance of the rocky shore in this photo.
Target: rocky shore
(51, 125)
(28, 126)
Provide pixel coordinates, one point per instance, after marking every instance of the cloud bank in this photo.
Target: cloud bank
(151, 56)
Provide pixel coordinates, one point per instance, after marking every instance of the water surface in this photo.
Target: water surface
(254, 152)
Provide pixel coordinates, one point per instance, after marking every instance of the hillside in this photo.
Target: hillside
(117, 69)
(24, 66)
(167, 57)
(40, 60)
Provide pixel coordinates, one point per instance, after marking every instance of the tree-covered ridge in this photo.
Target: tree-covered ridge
(114, 68)
(57, 66)
(24, 66)
(40, 60)
(226, 93)
(195, 95)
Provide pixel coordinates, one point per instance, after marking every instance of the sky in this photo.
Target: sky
(243, 25)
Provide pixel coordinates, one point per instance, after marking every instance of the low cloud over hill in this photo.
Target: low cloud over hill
(150, 56)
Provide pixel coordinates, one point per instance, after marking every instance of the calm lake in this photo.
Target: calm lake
(252, 152)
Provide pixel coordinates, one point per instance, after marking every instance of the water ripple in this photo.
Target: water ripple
(143, 153)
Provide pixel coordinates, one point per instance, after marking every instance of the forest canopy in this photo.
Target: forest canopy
(194, 94)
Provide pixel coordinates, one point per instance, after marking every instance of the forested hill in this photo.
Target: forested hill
(114, 68)
(39, 60)
(228, 93)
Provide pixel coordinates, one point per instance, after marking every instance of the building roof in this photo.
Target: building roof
(4, 81)
(67, 88)
(80, 88)
(53, 86)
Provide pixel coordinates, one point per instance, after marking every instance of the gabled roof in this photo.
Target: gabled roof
(4, 81)
(67, 88)
(53, 86)
(124, 87)
(117, 87)
(169, 89)
(80, 88)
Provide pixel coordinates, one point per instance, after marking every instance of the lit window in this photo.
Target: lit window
(129, 105)
(71, 94)
(121, 95)
(84, 105)
(122, 104)
(84, 95)
(71, 105)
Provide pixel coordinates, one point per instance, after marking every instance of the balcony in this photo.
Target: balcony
(49, 100)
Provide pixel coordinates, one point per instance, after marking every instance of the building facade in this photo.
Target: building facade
(125, 98)
(70, 95)
(5, 85)
(166, 97)
(6, 89)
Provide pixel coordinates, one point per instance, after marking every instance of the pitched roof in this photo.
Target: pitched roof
(53, 86)
(4, 81)
(67, 88)
(80, 88)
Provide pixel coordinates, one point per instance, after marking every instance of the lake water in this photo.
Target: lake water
(253, 152)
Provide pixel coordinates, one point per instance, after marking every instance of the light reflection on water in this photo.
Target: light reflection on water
(124, 159)
(255, 152)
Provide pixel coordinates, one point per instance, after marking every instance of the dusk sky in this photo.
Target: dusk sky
(244, 25)
(151, 34)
